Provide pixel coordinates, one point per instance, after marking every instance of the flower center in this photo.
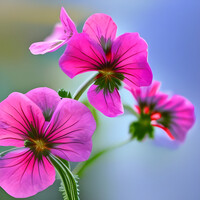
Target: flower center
(40, 145)
(108, 80)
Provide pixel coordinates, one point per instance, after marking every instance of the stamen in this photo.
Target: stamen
(155, 116)
(40, 145)
(165, 129)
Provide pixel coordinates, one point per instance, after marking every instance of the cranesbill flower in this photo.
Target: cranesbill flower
(174, 115)
(40, 124)
(116, 59)
(61, 35)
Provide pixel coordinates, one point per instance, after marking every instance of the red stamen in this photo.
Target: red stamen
(137, 109)
(155, 116)
(146, 110)
(165, 129)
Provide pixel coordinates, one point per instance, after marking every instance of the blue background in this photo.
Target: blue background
(138, 170)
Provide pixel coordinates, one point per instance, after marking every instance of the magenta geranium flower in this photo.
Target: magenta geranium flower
(40, 124)
(174, 115)
(116, 59)
(60, 36)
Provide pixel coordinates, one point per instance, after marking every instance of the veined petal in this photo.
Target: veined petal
(17, 115)
(68, 24)
(182, 116)
(57, 39)
(61, 34)
(109, 104)
(100, 25)
(81, 55)
(21, 175)
(142, 93)
(45, 47)
(46, 98)
(129, 52)
(70, 131)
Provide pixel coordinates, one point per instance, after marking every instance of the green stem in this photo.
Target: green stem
(83, 87)
(67, 178)
(81, 167)
(131, 110)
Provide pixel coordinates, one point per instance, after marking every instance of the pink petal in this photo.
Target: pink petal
(145, 93)
(17, 114)
(61, 34)
(109, 104)
(45, 47)
(68, 24)
(81, 55)
(51, 43)
(21, 175)
(183, 116)
(130, 52)
(100, 25)
(153, 88)
(46, 98)
(70, 130)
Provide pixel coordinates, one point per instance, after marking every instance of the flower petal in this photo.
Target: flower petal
(142, 93)
(21, 175)
(129, 52)
(109, 104)
(81, 55)
(182, 116)
(70, 130)
(61, 34)
(46, 98)
(100, 25)
(51, 43)
(17, 114)
(68, 24)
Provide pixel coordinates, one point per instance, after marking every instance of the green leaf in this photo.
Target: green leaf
(69, 185)
(64, 94)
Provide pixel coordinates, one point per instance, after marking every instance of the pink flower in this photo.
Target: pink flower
(116, 59)
(60, 36)
(174, 115)
(40, 124)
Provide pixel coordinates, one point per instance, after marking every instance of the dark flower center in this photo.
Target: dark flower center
(37, 143)
(107, 80)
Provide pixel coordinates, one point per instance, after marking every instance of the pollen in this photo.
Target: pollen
(39, 145)
(107, 72)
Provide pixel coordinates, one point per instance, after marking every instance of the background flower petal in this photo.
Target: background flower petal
(21, 175)
(17, 114)
(51, 43)
(109, 104)
(70, 131)
(182, 116)
(68, 24)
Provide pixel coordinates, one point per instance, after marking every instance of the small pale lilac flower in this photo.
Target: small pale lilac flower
(40, 124)
(61, 35)
(174, 115)
(116, 59)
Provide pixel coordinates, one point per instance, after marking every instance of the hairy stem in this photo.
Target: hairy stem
(69, 184)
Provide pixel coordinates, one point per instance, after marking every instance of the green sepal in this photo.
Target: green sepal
(64, 94)
(139, 130)
(108, 83)
(69, 185)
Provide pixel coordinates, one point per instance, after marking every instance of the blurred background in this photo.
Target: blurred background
(138, 171)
